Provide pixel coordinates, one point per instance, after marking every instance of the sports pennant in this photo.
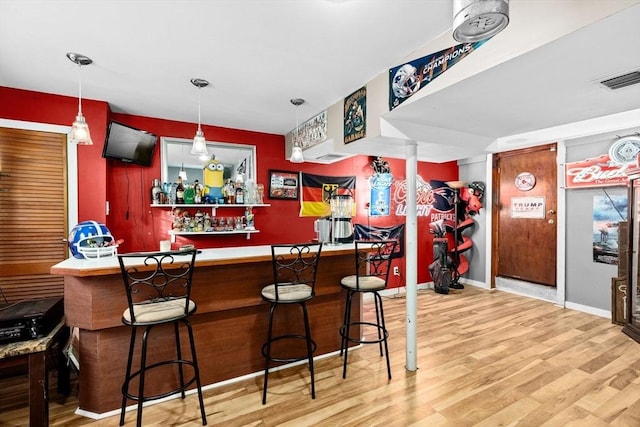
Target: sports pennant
(407, 79)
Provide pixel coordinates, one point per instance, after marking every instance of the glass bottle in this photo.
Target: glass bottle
(239, 194)
(189, 195)
(197, 188)
(231, 193)
(156, 190)
(180, 191)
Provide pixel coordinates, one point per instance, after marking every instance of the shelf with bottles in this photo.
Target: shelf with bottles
(174, 233)
(187, 222)
(213, 207)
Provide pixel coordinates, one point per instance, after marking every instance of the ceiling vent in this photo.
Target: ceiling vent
(324, 152)
(622, 81)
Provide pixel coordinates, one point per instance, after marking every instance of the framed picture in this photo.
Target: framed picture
(284, 185)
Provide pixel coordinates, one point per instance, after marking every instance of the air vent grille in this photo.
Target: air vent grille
(332, 156)
(622, 81)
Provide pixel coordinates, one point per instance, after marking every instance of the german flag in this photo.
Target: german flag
(318, 189)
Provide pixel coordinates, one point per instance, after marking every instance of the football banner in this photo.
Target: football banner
(318, 189)
(371, 232)
(406, 79)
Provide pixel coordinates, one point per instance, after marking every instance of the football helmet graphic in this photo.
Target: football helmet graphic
(406, 81)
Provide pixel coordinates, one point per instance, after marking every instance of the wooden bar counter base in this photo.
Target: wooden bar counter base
(230, 324)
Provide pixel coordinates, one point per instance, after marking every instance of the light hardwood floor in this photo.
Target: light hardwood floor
(485, 358)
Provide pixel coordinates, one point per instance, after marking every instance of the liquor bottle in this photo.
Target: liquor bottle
(156, 191)
(197, 188)
(239, 194)
(230, 195)
(189, 195)
(180, 192)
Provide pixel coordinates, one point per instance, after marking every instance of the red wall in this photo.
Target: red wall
(37, 107)
(127, 187)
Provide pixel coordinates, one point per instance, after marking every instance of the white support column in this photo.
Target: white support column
(411, 254)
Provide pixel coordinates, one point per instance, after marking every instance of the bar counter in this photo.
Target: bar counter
(230, 324)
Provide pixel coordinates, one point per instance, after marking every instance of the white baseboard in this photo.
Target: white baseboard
(587, 309)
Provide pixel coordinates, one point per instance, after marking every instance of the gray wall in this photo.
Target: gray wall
(587, 282)
(471, 170)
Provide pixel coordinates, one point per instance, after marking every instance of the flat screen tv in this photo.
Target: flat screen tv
(129, 144)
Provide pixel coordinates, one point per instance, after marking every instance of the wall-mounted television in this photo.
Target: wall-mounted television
(129, 144)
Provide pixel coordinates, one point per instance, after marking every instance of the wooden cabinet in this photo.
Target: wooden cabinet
(632, 325)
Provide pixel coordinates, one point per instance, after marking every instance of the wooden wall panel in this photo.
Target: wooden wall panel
(33, 212)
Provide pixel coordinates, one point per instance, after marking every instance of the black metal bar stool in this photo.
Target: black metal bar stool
(373, 264)
(158, 288)
(294, 280)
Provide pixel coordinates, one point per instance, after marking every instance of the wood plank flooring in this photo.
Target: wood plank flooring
(485, 358)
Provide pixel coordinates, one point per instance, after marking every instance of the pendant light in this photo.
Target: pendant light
(199, 147)
(182, 174)
(296, 152)
(80, 130)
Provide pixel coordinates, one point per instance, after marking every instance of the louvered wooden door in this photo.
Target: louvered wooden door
(33, 216)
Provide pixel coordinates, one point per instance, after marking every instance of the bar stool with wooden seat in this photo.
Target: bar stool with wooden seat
(373, 264)
(158, 289)
(294, 279)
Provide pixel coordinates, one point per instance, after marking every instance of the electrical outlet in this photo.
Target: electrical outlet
(396, 271)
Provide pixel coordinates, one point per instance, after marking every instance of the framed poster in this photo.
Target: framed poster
(355, 115)
(283, 185)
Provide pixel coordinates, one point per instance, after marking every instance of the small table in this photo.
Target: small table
(36, 350)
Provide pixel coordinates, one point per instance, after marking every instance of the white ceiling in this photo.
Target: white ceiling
(258, 54)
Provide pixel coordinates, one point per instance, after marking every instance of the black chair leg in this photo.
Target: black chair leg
(179, 354)
(267, 354)
(307, 331)
(378, 303)
(345, 321)
(125, 385)
(385, 336)
(143, 368)
(196, 370)
(347, 332)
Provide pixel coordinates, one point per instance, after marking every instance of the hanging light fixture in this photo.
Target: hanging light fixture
(182, 174)
(475, 20)
(199, 147)
(80, 130)
(296, 152)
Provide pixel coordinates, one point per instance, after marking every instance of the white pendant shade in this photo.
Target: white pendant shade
(199, 147)
(80, 131)
(182, 174)
(296, 155)
(296, 151)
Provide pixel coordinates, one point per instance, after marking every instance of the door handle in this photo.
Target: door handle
(551, 211)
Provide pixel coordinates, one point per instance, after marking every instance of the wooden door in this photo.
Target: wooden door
(525, 215)
(33, 214)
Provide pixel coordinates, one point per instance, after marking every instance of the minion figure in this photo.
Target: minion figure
(213, 180)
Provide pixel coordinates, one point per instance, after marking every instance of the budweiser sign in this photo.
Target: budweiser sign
(597, 172)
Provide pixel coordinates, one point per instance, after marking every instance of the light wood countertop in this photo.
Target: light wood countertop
(207, 257)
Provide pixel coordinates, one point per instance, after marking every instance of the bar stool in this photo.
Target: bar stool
(294, 280)
(158, 288)
(373, 264)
